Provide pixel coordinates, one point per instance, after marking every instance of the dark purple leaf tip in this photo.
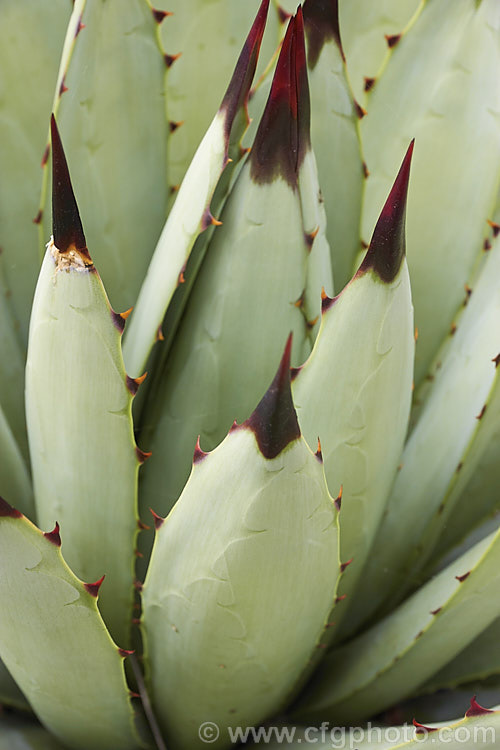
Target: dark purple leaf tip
(237, 92)
(53, 536)
(66, 224)
(387, 247)
(283, 136)
(477, 710)
(321, 18)
(7, 511)
(274, 421)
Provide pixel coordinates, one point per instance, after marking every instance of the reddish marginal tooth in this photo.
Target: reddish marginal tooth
(487, 245)
(369, 83)
(138, 554)
(134, 383)
(462, 578)
(283, 15)
(453, 329)
(311, 323)
(174, 189)
(366, 171)
(209, 221)
(142, 526)
(159, 334)
(422, 729)
(436, 611)
(125, 652)
(54, 536)
(198, 455)
(142, 455)
(294, 371)
(392, 39)
(360, 111)
(133, 695)
(160, 15)
(79, 27)
(170, 59)
(496, 360)
(338, 500)
(45, 156)
(340, 598)
(495, 227)
(120, 318)
(310, 237)
(7, 511)
(62, 88)
(38, 217)
(158, 520)
(477, 710)
(300, 301)
(326, 301)
(93, 588)
(319, 454)
(173, 125)
(343, 566)
(136, 621)
(138, 585)
(481, 413)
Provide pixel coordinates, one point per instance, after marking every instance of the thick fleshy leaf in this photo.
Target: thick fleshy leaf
(478, 661)
(261, 278)
(31, 40)
(89, 704)
(450, 102)
(480, 728)
(203, 41)
(110, 104)
(394, 657)
(355, 389)
(251, 542)
(454, 434)
(335, 135)
(15, 482)
(367, 30)
(191, 212)
(79, 401)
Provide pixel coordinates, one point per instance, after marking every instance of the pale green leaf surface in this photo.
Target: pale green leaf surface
(87, 705)
(335, 140)
(81, 434)
(443, 456)
(350, 396)
(15, 482)
(113, 123)
(479, 660)
(363, 27)
(475, 731)
(31, 39)
(394, 657)
(238, 317)
(247, 532)
(450, 103)
(209, 37)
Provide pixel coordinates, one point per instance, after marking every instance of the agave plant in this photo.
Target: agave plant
(322, 551)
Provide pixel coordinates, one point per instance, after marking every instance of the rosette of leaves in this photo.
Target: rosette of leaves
(323, 546)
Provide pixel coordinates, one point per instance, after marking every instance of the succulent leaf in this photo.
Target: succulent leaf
(196, 82)
(446, 449)
(265, 273)
(335, 136)
(110, 105)
(394, 657)
(78, 403)
(450, 103)
(30, 33)
(254, 515)
(88, 705)
(191, 212)
(351, 395)
(10, 694)
(17, 734)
